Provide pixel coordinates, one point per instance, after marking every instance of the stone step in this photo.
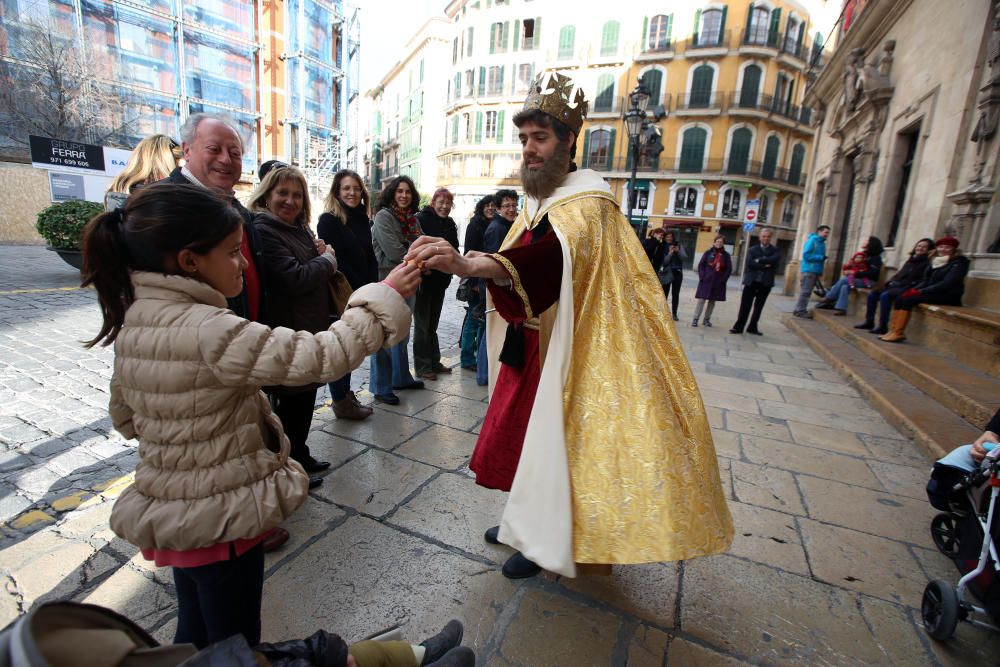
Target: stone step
(932, 425)
(969, 393)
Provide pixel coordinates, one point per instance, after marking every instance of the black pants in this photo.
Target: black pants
(426, 315)
(296, 412)
(908, 303)
(217, 601)
(675, 290)
(754, 296)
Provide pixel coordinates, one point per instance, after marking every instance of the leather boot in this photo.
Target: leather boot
(348, 409)
(897, 325)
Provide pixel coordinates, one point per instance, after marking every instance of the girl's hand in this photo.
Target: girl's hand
(405, 279)
(431, 252)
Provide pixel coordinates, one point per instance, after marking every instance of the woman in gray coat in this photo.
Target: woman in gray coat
(394, 228)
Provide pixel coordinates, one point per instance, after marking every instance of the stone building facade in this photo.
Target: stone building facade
(906, 112)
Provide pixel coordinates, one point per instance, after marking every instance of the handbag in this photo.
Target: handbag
(340, 292)
(665, 273)
(465, 292)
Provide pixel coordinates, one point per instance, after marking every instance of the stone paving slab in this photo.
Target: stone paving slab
(831, 552)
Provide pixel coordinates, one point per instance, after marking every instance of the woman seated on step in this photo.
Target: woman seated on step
(911, 273)
(836, 298)
(943, 284)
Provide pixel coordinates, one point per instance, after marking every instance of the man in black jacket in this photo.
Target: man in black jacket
(758, 279)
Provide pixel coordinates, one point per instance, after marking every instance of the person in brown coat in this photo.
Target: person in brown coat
(214, 473)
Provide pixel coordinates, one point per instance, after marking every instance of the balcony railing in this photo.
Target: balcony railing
(707, 40)
(769, 103)
(754, 38)
(791, 46)
(685, 165)
(699, 100)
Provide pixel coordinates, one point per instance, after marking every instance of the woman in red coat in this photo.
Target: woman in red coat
(713, 271)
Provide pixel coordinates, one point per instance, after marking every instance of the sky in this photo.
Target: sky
(386, 27)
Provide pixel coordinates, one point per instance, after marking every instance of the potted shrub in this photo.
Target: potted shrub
(61, 225)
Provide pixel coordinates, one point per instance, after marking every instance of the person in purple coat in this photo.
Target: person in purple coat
(713, 271)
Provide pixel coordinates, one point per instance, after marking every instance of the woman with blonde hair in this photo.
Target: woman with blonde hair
(346, 227)
(296, 269)
(152, 160)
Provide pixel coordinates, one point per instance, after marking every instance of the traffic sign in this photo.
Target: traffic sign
(750, 215)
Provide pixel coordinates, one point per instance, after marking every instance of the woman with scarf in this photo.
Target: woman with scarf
(911, 273)
(346, 228)
(943, 284)
(394, 228)
(714, 270)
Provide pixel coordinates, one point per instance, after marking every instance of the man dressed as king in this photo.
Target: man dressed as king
(595, 423)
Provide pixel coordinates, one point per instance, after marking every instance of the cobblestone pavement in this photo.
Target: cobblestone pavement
(831, 554)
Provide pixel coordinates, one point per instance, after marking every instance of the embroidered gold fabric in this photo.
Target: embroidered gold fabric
(645, 479)
(515, 279)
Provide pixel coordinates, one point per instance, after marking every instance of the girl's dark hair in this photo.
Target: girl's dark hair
(387, 198)
(930, 246)
(481, 205)
(158, 221)
(874, 247)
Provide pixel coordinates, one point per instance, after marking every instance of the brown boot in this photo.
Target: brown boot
(352, 397)
(897, 325)
(348, 409)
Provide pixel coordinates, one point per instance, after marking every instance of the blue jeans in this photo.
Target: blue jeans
(391, 367)
(839, 292)
(482, 371)
(473, 330)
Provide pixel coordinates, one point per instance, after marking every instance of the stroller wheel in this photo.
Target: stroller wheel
(939, 609)
(943, 534)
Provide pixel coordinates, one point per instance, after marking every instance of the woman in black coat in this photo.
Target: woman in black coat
(346, 227)
(911, 273)
(714, 270)
(474, 326)
(674, 256)
(944, 284)
(298, 270)
(434, 221)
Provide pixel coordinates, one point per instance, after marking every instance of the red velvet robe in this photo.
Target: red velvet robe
(537, 261)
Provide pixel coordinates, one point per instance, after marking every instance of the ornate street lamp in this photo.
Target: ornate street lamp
(635, 118)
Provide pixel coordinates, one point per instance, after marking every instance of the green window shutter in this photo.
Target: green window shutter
(670, 29)
(645, 31)
(479, 127)
(751, 86)
(746, 31)
(739, 151)
(566, 39)
(653, 80)
(609, 38)
(605, 98)
(493, 37)
(538, 33)
(517, 33)
(693, 150)
(482, 81)
(701, 86)
(798, 41)
(586, 149)
(501, 79)
(770, 157)
(468, 46)
(772, 34)
(611, 150)
(697, 27)
(722, 25)
(500, 127)
(505, 35)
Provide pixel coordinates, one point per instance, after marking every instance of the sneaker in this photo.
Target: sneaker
(436, 647)
(694, 323)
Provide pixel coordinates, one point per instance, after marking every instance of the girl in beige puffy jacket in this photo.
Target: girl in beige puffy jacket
(214, 473)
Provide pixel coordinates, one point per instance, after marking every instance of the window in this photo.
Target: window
(750, 90)
(739, 151)
(701, 87)
(653, 80)
(599, 150)
(468, 43)
(686, 201)
(765, 205)
(469, 83)
(525, 75)
(454, 51)
(660, 27)
(793, 36)
(795, 168)
(494, 84)
(759, 26)
(467, 127)
(491, 125)
(731, 202)
(770, 165)
(909, 142)
(783, 88)
(609, 39)
(605, 98)
(529, 28)
(566, 38)
(788, 212)
(458, 85)
(499, 34)
(454, 129)
(693, 150)
(710, 33)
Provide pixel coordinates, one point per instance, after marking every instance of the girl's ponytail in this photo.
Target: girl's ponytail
(105, 266)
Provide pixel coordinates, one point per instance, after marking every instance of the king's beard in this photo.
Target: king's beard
(540, 183)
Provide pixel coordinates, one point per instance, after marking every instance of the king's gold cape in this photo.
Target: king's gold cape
(618, 464)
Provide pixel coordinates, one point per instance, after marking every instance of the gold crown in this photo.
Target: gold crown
(554, 94)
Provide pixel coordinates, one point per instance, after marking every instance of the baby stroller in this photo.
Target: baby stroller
(967, 532)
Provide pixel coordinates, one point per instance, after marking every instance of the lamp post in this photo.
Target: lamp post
(635, 119)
